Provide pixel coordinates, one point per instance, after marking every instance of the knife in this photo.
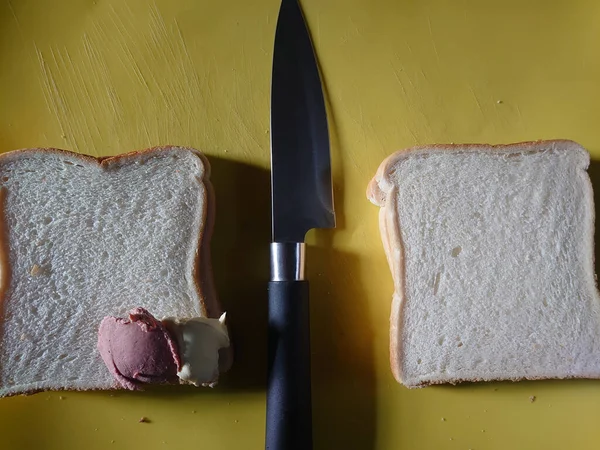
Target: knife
(302, 199)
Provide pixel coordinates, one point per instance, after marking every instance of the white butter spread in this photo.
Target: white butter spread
(199, 340)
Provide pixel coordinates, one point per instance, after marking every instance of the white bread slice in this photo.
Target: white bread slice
(84, 238)
(491, 251)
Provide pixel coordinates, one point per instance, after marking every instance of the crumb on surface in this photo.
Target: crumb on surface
(443, 419)
(144, 419)
(60, 397)
(193, 411)
(35, 270)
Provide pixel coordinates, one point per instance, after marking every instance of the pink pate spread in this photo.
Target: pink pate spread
(138, 350)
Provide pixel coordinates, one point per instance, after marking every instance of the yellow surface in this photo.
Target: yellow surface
(104, 77)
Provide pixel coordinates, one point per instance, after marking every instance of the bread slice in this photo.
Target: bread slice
(84, 238)
(491, 252)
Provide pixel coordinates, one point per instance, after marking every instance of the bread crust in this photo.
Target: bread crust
(456, 381)
(380, 188)
(202, 270)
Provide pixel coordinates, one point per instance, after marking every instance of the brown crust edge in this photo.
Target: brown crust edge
(206, 270)
(456, 381)
(204, 283)
(33, 391)
(380, 188)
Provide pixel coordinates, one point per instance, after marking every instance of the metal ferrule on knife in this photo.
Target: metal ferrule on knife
(287, 261)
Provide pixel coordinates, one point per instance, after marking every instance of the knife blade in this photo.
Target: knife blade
(302, 199)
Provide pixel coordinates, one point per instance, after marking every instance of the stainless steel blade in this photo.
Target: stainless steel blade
(301, 186)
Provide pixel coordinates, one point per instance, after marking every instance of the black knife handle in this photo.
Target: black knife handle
(289, 413)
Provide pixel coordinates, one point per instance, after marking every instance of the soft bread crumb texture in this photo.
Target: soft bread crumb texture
(491, 250)
(88, 240)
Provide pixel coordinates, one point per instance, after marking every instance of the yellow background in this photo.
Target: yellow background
(104, 77)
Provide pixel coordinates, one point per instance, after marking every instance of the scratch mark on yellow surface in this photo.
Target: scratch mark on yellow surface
(477, 101)
(54, 95)
(158, 24)
(412, 85)
(437, 55)
(246, 129)
(12, 11)
(350, 34)
(74, 85)
(59, 102)
(426, 122)
(14, 14)
(24, 38)
(412, 133)
(399, 82)
(64, 110)
(47, 82)
(146, 132)
(122, 29)
(182, 42)
(101, 78)
(519, 112)
(354, 160)
(377, 137)
(97, 28)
